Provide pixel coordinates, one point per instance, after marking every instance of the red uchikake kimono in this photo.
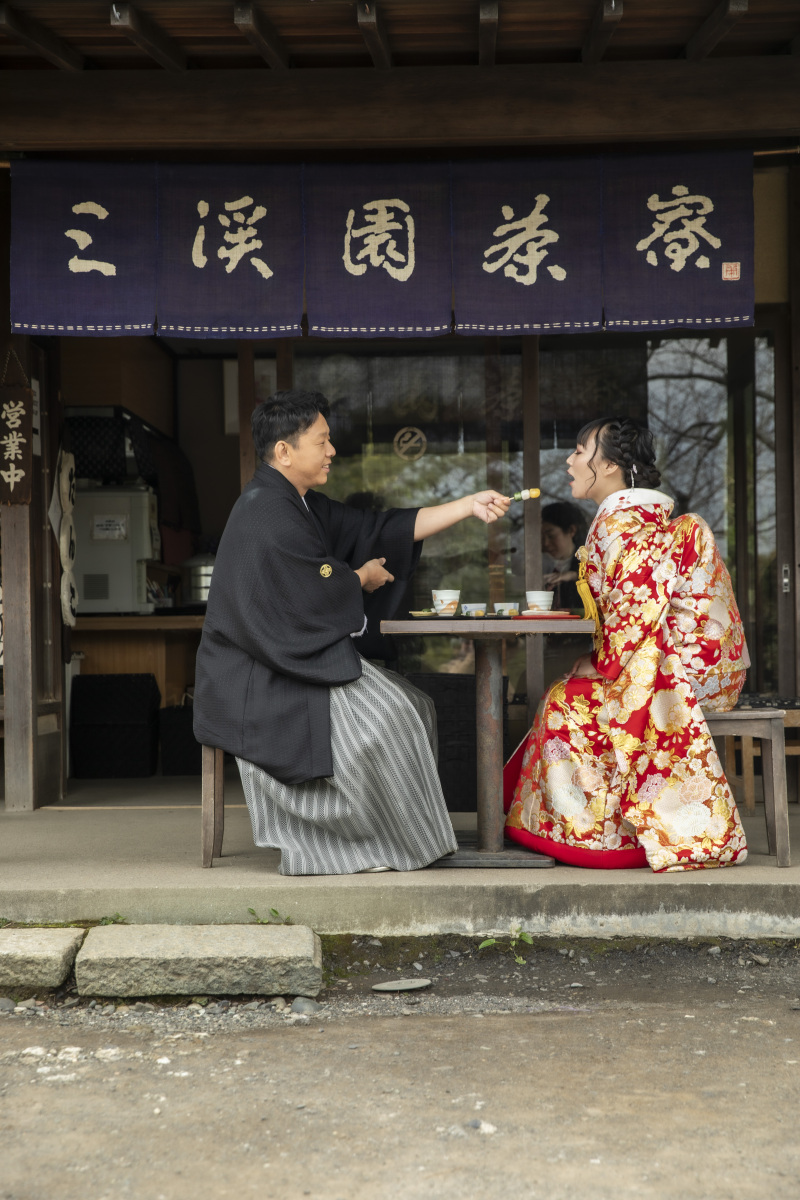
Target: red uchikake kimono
(620, 770)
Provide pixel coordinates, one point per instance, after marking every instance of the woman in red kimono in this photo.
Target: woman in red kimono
(619, 769)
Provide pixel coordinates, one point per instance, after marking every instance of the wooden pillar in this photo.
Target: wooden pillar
(741, 405)
(493, 409)
(284, 365)
(247, 402)
(19, 649)
(531, 475)
(793, 226)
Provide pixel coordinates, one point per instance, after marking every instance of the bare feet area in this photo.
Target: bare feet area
(591, 1069)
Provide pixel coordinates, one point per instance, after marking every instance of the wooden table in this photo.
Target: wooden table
(162, 644)
(488, 637)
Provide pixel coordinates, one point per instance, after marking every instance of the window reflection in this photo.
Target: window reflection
(415, 425)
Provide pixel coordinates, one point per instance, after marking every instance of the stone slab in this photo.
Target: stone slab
(159, 960)
(37, 958)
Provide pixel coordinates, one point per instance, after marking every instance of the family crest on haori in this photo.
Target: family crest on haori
(84, 240)
(384, 220)
(240, 236)
(524, 243)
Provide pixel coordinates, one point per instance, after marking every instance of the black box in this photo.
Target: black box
(454, 698)
(114, 726)
(181, 753)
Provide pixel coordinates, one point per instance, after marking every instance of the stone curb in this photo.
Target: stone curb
(164, 960)
(37, 958)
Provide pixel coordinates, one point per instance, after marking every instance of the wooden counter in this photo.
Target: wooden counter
(164, 645)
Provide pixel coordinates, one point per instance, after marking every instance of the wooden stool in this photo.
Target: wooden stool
(767, 725)
(213, 805)
(750, 750)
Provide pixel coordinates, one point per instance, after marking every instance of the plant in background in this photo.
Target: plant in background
(115, 920)
(274, 918)
(516, 935)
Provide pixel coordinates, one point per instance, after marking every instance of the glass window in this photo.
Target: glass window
(416, 426)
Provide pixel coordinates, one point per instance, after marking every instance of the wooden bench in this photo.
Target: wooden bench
(750, 748)
(766, 724)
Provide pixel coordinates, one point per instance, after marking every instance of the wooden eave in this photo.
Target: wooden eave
(422, 86)
(326, 33)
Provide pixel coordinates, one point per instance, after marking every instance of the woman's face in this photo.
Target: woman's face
(593, 482)
(558, 543)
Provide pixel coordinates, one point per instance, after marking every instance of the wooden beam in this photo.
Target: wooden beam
(247, 402)
(532, 514)
(488, 19)
(39, 39)
(284, 364)
(606, 17)
(442, 107)
(373, 31)
(714, 28)
(260, 34)
(145, 34)
(794, 324)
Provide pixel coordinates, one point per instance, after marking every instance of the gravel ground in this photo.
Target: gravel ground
(593, 1069)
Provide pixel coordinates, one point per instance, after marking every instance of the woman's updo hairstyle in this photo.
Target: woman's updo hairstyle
(627, 445)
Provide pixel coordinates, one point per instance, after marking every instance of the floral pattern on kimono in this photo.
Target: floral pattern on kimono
(625, 759)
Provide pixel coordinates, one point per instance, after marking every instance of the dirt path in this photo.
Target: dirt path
(656, 1085)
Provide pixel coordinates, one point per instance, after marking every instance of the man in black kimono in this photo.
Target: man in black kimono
(337, 757)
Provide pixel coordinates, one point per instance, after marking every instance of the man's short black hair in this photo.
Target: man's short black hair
(283, 417)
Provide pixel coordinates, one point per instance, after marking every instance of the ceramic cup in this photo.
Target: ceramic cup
(468, 609)
(539, 601)
(446, 602)
(508, 606)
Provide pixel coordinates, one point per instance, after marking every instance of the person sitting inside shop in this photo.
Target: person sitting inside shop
(563, 531)
(337, 757)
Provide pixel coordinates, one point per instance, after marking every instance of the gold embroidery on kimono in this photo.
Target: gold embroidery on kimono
(624, 760)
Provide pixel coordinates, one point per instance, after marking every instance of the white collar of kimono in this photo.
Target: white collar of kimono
(634, 498)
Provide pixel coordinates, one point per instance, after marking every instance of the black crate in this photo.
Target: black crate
(181, 753)
(454, 698)
(114, 726)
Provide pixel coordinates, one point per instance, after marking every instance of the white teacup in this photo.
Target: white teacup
(468, 609)
(504, 607)
(446, 602)
(539, 601)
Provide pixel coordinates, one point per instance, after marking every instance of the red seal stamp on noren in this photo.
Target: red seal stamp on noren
(731, 270)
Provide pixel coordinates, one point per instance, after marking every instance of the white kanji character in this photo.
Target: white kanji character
(241, 236)
(524, 232)
(13, 443)
(12, 476)
(380, 246)
(679, 244)
(84, 239)
(12, 414)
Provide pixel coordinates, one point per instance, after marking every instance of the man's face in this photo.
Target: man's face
(311, 457)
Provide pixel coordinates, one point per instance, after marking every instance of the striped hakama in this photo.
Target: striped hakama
(383, 806)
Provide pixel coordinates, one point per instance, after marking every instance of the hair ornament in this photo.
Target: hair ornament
(633, 473)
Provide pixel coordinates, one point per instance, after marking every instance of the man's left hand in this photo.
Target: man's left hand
(489, 506)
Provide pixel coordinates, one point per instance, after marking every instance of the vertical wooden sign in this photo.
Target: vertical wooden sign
(16, 445)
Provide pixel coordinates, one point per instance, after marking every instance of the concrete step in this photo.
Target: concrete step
(171, 960)
(37, 958)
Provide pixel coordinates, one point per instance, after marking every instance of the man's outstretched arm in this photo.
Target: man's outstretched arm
(486, 506)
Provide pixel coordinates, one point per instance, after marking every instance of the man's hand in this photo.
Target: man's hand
(489, 506)
(582, 668)
(373, 575)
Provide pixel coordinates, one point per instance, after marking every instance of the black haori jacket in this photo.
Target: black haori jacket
(283, 602)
